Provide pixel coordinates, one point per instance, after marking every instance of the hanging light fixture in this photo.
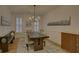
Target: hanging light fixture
(34, 12)
(33, 18)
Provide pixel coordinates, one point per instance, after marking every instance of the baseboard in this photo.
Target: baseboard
(54, 43)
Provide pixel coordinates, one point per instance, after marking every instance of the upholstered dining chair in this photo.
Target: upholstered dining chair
(29, 42)
(44, 41)
(12, 37)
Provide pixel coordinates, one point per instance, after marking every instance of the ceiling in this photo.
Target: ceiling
(29, 9)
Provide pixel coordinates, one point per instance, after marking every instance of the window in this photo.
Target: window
(18, 24)
(37, 25)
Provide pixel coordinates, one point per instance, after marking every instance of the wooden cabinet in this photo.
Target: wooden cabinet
(70, 42)
(77, 43)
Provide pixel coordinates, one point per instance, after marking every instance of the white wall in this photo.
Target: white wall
(61, 13)
(4, 12)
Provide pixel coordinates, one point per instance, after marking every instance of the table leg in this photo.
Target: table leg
(38, 44)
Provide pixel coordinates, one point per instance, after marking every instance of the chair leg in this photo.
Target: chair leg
(27, 47)
(44, 43)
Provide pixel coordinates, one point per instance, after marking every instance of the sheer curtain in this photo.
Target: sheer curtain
(18, 24)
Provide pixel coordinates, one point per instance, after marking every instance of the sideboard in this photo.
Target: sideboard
(70, 42)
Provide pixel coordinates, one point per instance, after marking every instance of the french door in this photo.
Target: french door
(18, 24)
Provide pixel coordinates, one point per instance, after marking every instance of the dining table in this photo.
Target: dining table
(38, 40)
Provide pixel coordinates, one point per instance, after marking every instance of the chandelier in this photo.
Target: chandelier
(34, 17)
(34, 14)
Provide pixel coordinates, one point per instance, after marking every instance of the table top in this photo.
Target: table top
(36, 35)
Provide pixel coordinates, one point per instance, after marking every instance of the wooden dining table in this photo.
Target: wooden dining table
(38, 40)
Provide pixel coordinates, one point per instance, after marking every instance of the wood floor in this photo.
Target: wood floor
(19, 46)
(13, 46)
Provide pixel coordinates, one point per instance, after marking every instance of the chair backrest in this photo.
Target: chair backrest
(28, 38)
(12, 36)
(12, 33)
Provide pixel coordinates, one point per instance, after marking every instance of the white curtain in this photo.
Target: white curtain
(18, 24)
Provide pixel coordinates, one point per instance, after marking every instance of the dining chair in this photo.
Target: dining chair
(44, 41)
(12, 37)
(29, 42)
